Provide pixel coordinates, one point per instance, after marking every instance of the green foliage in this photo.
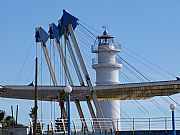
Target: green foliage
(32, 113)
(9, 122)
(2, 115)
(63, 96)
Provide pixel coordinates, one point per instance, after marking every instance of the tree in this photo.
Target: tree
(2, 114)
(9, 121)
(32, 114)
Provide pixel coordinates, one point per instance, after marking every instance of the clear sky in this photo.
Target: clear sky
(151, 28)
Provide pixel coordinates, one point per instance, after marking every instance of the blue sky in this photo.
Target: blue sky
(150, 28)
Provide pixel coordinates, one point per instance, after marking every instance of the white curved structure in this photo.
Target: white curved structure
(107, 72)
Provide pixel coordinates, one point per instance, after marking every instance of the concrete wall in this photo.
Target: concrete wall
(14, 131)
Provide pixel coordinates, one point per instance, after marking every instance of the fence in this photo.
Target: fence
(109, 125)
(95, 49)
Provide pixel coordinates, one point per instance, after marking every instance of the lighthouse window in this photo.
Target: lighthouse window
(105, 41)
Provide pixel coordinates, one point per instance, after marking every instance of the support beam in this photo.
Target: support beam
(74, 61)
(85, 72)
(90, 108)
(62, 57)
(63, 111)
(49, 63)
(81, 114)
(96, 123)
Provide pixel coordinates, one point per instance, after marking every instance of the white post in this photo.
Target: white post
(68, 90)
(173, 107)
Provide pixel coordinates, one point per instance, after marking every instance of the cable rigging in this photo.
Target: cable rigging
(121, 58)
(156, 72)
(126, 77)
(151, 62)
(129, 65)
(25, 60)
(87, 30)
(141, 106)
(136, 75)
(158, 106)
(146, 65)
(136, 101)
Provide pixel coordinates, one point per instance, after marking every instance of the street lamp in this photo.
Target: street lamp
(68, 90)
(173, 107)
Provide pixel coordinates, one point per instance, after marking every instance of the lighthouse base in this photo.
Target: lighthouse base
(111, 112)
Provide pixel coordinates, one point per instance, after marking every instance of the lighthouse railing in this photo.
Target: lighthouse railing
(116, 60)
(113, 47)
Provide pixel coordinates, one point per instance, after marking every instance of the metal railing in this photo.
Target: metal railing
(135, 124)
(109, 125)
(113, 47)
(113, 61)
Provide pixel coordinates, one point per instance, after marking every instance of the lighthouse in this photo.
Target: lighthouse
(107, 66)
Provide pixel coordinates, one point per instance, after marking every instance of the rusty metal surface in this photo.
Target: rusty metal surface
(137, 91)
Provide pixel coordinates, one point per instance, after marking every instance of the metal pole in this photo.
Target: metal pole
(149, 125)
(117, 125)
(35, 98)
(166, 125)
(16, 114)
(133, 126)
(12, 111)
(173, 123)
(69, 115)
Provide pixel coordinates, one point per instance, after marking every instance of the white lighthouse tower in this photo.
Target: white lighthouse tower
(107, 68)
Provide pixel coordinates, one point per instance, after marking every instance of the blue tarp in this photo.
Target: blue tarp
(41, 35)
(65, 20)
(53, 31)
(56, 32)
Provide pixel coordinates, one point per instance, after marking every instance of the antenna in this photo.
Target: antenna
(105, 30)
(104, 27)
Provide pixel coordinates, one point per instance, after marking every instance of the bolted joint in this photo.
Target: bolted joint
(87, 97)
(82, 84)
(87, 77)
